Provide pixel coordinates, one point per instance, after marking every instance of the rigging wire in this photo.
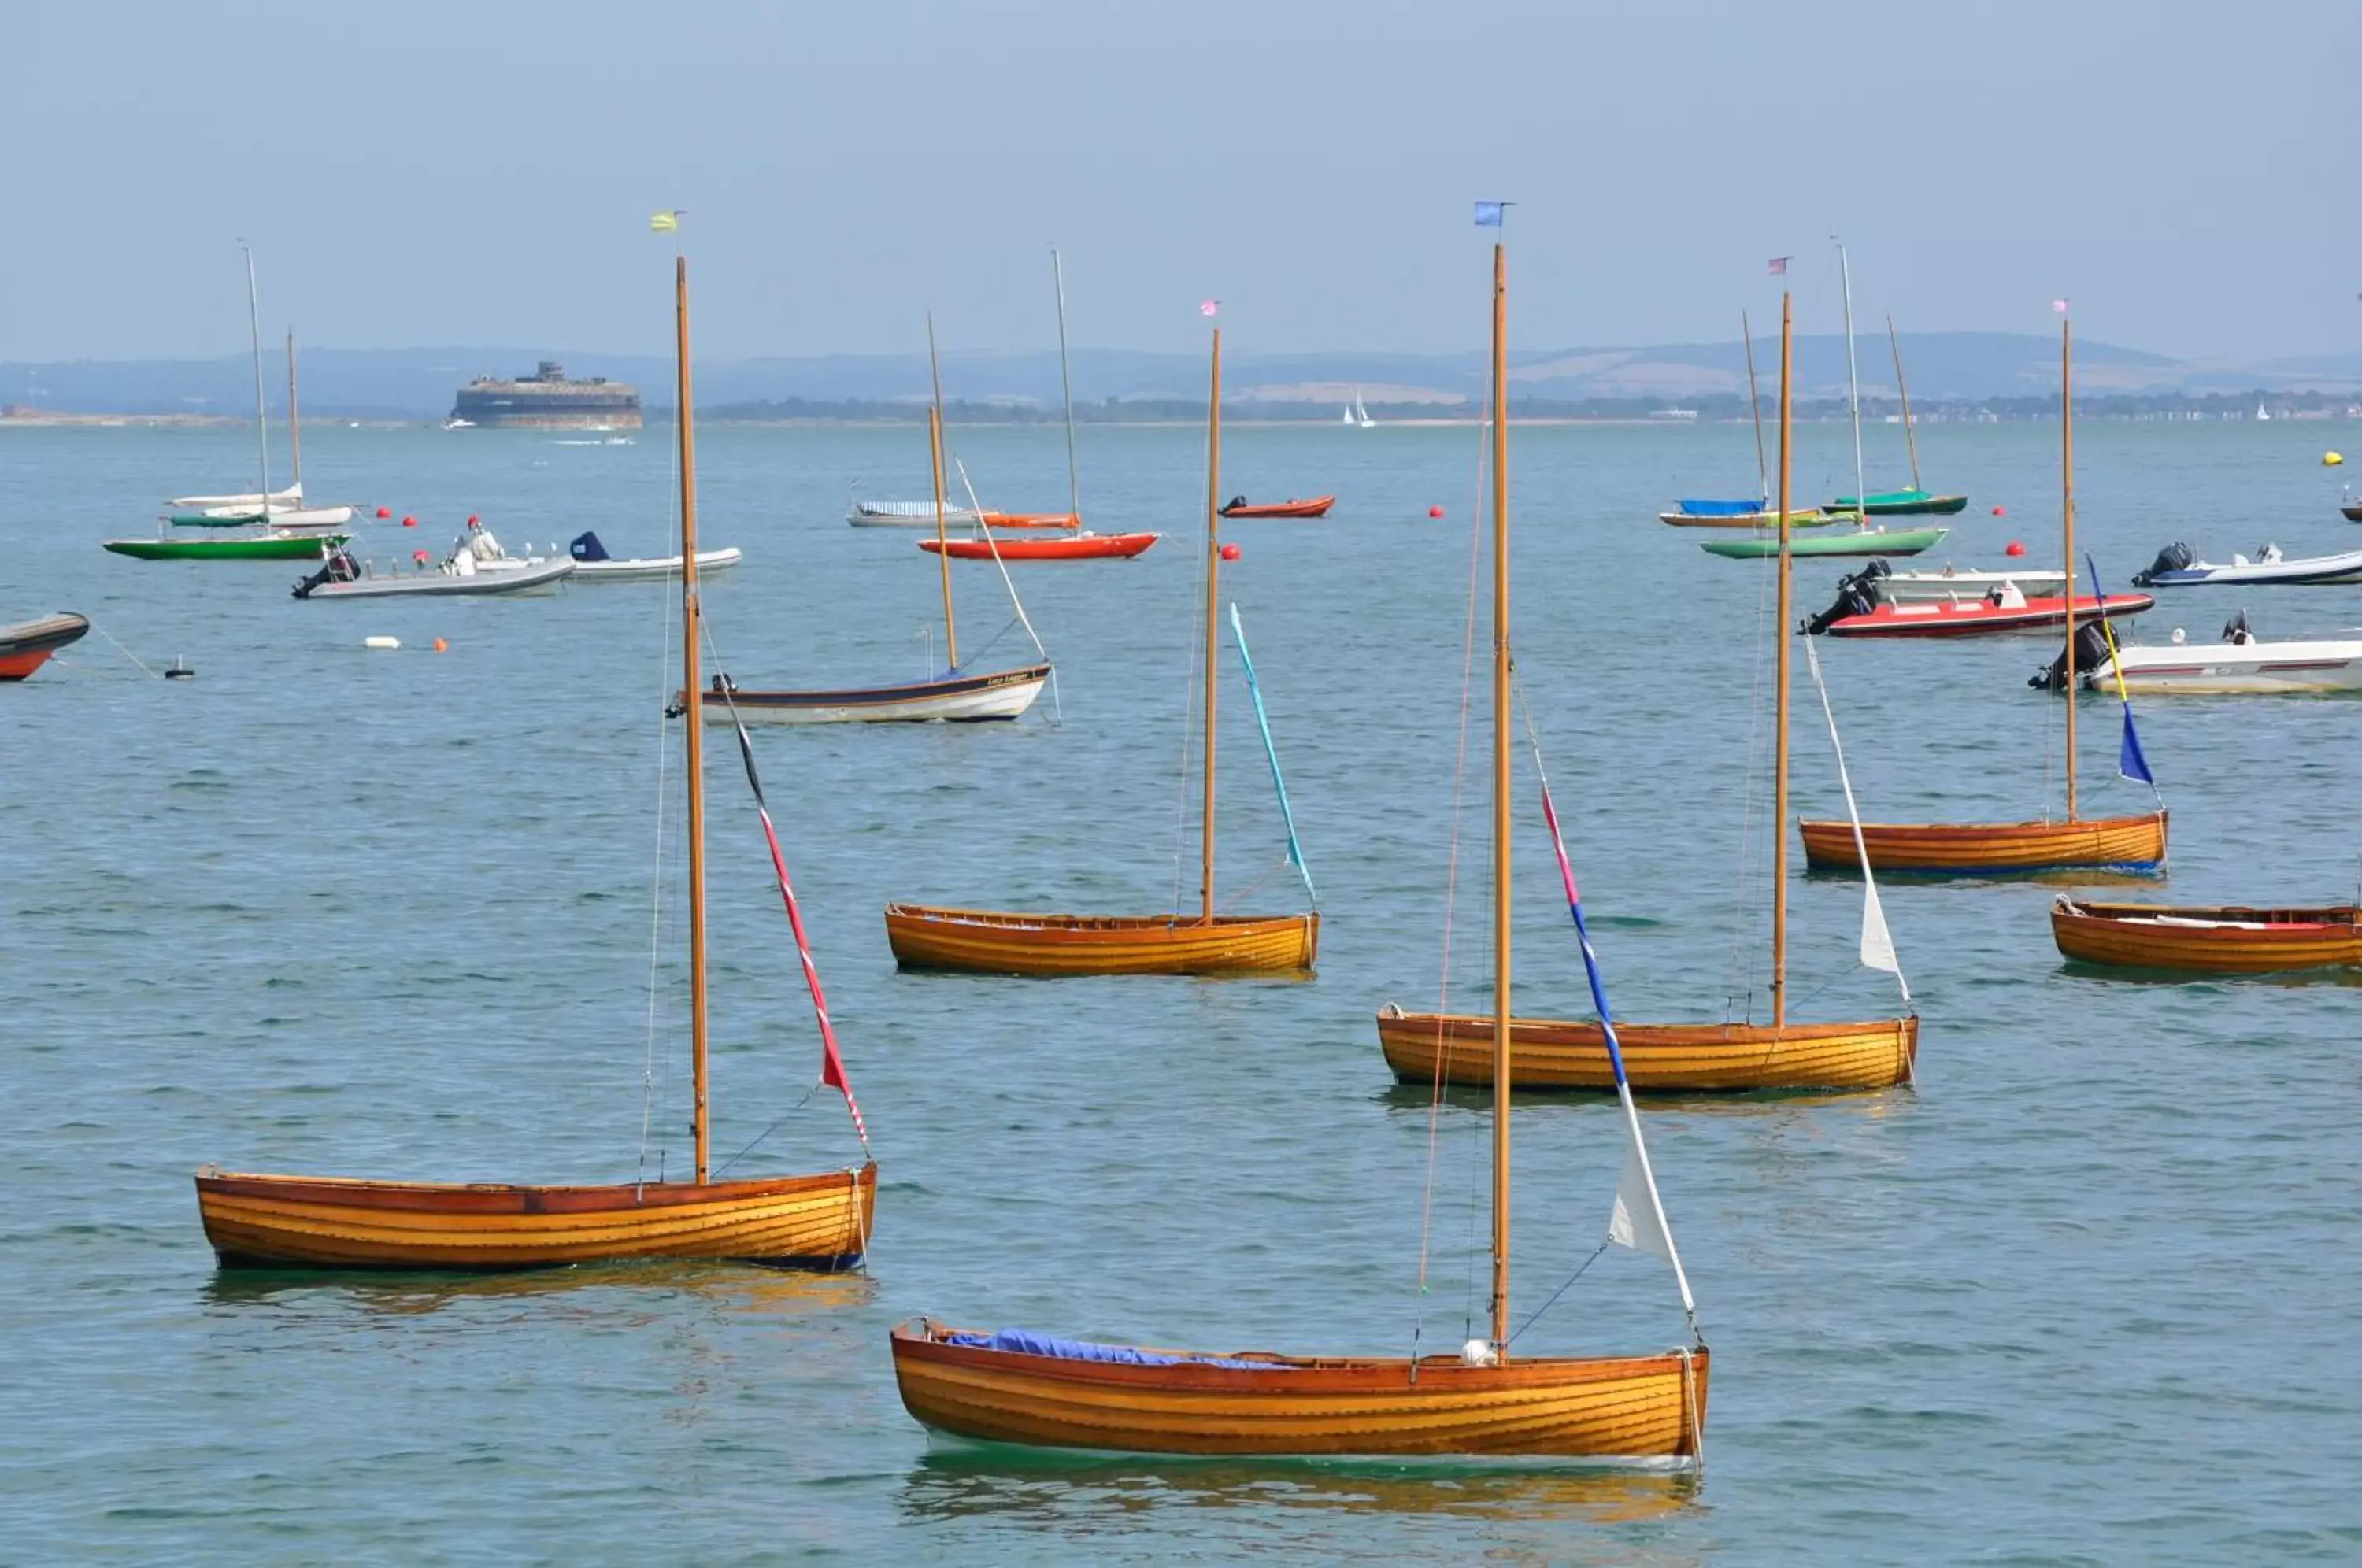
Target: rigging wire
(651, 1079)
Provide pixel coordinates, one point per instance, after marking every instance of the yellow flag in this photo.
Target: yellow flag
(664, 223)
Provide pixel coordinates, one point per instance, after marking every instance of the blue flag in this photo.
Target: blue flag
(1489, 214)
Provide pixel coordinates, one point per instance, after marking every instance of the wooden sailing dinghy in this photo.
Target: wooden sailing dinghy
(2233, 939)
(928, 936)
(957, 696)
(821, 1221)
(1489, 1401)
(1681, 1058)
(2125, 842)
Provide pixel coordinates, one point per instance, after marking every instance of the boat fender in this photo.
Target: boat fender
(383, 645)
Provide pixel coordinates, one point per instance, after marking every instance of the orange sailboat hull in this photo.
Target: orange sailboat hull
(998, 942)
(812, 1222)
(1593, 1408)
(1659, 1058)
(1968, 848)
(2220, 938)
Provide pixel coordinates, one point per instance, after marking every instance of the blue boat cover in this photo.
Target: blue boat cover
(587, 548)
(1025, 1342)
(1719, 508)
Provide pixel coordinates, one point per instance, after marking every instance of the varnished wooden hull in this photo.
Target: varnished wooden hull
(269, 1221)
(2134, 843)
(998, 942)
(1593, 1409)
(1659, 1058)
(2217, 939)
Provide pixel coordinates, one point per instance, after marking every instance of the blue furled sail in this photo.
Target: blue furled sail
(2130, 761)
(1697, 508)
(1262, 722)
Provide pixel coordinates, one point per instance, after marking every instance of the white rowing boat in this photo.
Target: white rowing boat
(909, 514)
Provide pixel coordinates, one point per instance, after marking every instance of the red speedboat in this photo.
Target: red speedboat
(25, 649)
(1070, 547)
(1240, 506)
(1996, 611)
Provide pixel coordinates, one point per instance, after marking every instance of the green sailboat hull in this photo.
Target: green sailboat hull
(1904, 503)
(1866, 542)
(263, 547)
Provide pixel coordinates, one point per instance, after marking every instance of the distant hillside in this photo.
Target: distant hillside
(418, 384)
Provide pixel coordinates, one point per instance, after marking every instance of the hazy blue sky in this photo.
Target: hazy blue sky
(436, 173)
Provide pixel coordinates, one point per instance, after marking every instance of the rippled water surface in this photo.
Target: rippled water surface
(2087, 1295)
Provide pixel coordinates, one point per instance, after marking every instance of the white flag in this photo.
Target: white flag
(1877, 945)
(1638, 1219)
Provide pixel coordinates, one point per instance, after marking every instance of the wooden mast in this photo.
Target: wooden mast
(1066, 385)
(1500, 804)
(2067, 516)
(693, 726)
(1754, 407)
(1910, 437)
(294, 428)
(936, 449)
(1780, 624)
(1213, 630)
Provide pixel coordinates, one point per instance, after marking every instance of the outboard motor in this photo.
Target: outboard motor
(2173, 557)
(1232, 505)
(2234, 630)
(1857, 594)
(340, 566)
(587, 548)
(2091, 653)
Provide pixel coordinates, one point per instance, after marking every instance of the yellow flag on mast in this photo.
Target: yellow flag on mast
(664, 223)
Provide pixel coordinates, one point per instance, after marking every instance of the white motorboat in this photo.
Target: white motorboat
(342, 576)
(592, 561)
(909, 514)
(2177, 566)
(2241, 662)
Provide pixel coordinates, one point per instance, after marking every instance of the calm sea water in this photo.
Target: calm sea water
(2087, 1295)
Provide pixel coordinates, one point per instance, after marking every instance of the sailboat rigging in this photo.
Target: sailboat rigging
(821, 1221)
(1489, 1400)
(1755, 512)
(2135, 843)
(955, 695)
(1074, 542)
(1005, 942)
(1674, 1058)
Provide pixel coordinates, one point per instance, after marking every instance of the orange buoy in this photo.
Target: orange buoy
(2016, 547)
(442, 646)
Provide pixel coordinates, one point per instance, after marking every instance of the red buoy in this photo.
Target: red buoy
(409, 522)
(1435, 512)
(1229, 552)
(385, 511)
(2001, 511)
(2016, 548)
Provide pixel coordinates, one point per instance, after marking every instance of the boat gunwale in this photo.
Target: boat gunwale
(1082, 925)
(518, 1197)
(855, 695)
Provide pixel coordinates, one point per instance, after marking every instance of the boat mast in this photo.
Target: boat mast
(1213, 630)
(1500, 805)
(254, 334)
(2067, 521)
(936, 447)
(1910, 437)
(693, 722)
(1754, 406)
(294, 426)
(1853, 393)
(1779, 680)
(1066, 385)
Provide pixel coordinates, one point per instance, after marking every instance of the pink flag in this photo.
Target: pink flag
(1209, 308)
(2059, 305)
